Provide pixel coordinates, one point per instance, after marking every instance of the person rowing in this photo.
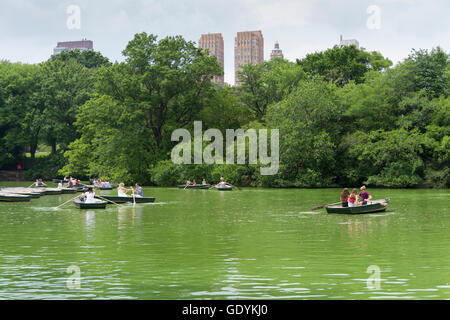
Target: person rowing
(122, 191)
(365, 196)
(222, 182)
(139, 191)
(188, 182)
(88, 196)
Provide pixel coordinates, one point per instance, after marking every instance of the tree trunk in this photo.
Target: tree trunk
(53, 146)
(33, 148)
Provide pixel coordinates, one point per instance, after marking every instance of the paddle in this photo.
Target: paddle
(233, 186)
(320, 207)
(31, 185)
(117, 204)
(66, 202)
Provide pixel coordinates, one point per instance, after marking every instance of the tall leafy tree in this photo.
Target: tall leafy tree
(343, 64)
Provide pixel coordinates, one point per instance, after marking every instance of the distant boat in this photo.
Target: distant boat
(196, 186)
(117, 199)
(370, 207)
(224, 188)
(98, 204)
(104, 188)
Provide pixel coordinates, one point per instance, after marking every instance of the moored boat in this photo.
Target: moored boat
(98, 204)
(196, 186)
(48, 191)
(117, 199)
(371, 207)
(12, 197)
(104, 188)
(23, 191)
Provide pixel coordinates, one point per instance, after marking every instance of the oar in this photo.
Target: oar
(233, 186)
(66, 202)
(108, 200)
(320, 207)
(30, 185)
(212, 186)
(186, 186)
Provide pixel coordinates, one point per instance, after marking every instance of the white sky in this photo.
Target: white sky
(29, 30)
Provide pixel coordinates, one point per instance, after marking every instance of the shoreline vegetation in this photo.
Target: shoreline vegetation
(346, 117)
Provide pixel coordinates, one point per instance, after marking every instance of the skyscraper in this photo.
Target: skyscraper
(214, 43)
(82, 45)
(276, 52)
(248, 48)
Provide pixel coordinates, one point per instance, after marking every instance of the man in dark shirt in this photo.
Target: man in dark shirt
(365, 196)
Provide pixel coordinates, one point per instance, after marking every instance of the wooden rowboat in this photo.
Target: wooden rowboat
(197, 186)
(99, 204)
(69, 190)
(117, 199)
(370, 207)
(12, 197)
(104, 188)
(224, 188)
(48, 191)
(23, 191)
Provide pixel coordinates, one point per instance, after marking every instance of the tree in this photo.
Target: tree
(269, 82)
(343, 64)
(161, 86)
(87, 58)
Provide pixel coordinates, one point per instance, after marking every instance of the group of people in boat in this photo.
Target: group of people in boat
(136, 192)
(101, 184)
(39, 183)
(193, 183)
(71, 182)
(355, 199)
(222, 182)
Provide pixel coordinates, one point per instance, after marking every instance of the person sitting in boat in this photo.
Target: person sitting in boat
(353, 198)
(204, 182)
(41, 183)
(78, 183)
(88, 195)
(60, 184)
(122, 191)
(70, 184)
(37, 183)
(188, 182)
(344, 197)
(107, 184)
(365, 196)
(139, 191)
(222, 182)
(193, 182)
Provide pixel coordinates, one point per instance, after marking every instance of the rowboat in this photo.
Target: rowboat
(69, 190)
(117, 199)
(48, 191)
(370, 207)
(11, 197)
(104, 188)
(23, 191)
(224, 188)
(98, 204)
(197, 186)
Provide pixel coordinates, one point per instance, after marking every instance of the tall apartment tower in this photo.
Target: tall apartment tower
(276, 52)
(214, 43)
(248, 48)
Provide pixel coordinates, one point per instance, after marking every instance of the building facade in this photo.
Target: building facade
(248, 48)
(276, 52)
(349, 42)
(214, 43)
(72, 45)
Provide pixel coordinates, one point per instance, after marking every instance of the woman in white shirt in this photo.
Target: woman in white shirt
(90, 196)
(121, 190)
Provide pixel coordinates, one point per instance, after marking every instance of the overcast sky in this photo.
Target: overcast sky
(29, 30)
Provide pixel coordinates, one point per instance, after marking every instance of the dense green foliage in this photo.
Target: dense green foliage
(345, 116)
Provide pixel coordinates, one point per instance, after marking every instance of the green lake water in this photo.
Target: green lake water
(247, 244)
